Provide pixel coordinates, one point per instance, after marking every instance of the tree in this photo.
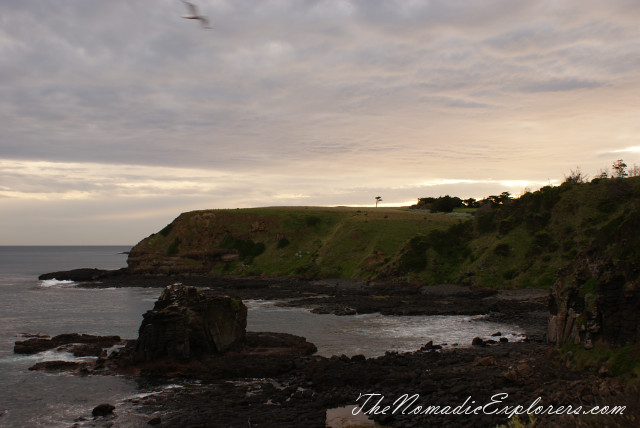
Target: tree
(576, 177)
(505, 197)
(619, 169)
(445, 204)
(471, 203)
(634, 171)
(378, 199)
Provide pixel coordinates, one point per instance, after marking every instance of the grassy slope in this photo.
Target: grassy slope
(524, 243)
(322, 242)
(521, 244)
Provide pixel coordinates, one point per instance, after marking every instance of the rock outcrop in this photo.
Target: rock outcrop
(71, 342)
(595, 301)
(186, 322)
(83, 274)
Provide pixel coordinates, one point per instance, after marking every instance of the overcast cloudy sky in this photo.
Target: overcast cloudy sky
(116, 116)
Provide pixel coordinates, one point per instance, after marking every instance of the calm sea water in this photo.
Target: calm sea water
(28, 305)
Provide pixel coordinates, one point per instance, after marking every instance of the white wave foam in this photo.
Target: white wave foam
(54, 283)
(50, 355)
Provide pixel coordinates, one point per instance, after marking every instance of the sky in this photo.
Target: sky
(116, 116)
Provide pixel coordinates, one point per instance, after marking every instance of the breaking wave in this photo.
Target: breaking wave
(54, 283)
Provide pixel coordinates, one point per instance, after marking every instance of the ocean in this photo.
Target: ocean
(30, 306)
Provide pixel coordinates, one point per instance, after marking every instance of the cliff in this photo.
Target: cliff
(307, 242)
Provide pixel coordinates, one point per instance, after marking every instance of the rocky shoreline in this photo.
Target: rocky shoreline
(257, 384)
(301, 396)
(526, 308)
(297, 391)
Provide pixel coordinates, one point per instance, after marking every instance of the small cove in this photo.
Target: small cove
(50, 399)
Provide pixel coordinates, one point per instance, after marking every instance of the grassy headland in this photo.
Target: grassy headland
(521, 242)
(310, 242)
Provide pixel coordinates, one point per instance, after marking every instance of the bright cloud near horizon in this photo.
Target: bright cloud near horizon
(117, 115)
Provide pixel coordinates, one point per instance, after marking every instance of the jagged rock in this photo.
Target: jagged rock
(103, 410)
(594, 301)
(186, 322)
(39, 344)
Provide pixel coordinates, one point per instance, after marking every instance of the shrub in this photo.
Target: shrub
(536, 221)
(247, 249)
(283, 242)
(446, 204)
(173, 249)
(415, 258)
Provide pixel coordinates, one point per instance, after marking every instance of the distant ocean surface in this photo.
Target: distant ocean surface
(27, 305)
(34, 398)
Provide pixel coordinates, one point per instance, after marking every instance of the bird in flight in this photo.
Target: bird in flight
(194, 15)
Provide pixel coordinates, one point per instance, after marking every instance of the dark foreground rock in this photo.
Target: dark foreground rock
(300, 396)
(104, 409)
(270, 379)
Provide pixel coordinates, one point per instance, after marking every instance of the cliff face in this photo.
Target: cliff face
(191, 243)
(282, 241)
(596, 299)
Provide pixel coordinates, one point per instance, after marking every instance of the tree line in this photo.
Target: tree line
(445, 204)
(619, 169)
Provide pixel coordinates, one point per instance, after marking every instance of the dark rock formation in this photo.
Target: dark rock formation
(83, 274)
(60, 366)
(301, 396)
(595, 300)
(40, 344)
(186, 322)
(103, 410)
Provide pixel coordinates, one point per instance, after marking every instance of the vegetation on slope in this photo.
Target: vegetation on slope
(309, 242)
(509, 243)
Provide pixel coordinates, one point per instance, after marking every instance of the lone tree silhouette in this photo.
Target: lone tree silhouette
(378, 199)
(619, 169)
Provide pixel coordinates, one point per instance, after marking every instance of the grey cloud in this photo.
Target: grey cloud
(454, 102)
(559, 85)
(127, 82)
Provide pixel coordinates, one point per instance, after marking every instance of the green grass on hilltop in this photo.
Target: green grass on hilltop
(521, 243)
(301, 241)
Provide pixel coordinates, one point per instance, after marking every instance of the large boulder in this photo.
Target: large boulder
(186, 322)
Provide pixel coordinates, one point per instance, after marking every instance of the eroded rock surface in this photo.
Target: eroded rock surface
(186, 322)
